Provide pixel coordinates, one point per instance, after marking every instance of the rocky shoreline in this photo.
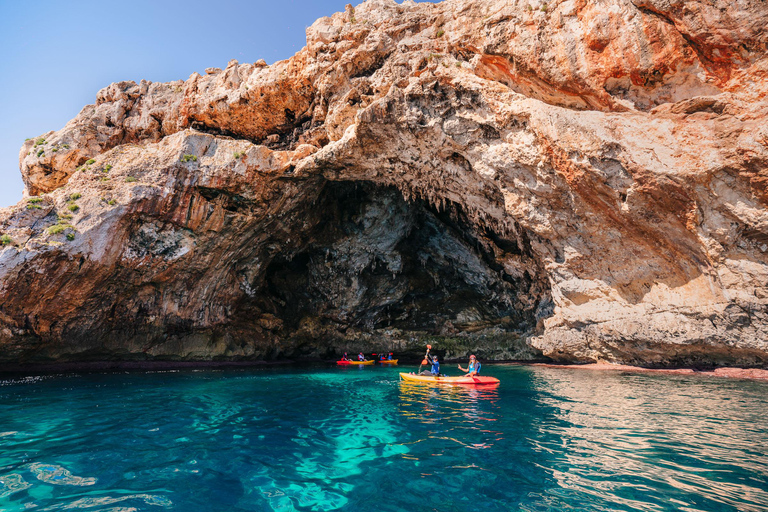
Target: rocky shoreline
(758, 374)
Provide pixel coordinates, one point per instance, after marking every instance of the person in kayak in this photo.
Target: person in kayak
(345, 357)
(473, 368)
(435, 370)
(390, 356)
(361, 357)
(383, 357)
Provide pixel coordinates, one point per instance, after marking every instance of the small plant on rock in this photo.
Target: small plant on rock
(5, 240)
(130, 179)
(35, 200)
(189, 158)
(56, 229)
(90, 162)
(111, 202)
(238, 155)
(75, 196)
(544, 8)
(41, 153)
(440, 33)
(70, 236)
(72, 207)
(107, 168)
(39, 142)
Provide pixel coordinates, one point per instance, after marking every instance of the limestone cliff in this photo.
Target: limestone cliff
(574, 180)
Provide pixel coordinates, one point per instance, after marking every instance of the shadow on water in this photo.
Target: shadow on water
(359, 439)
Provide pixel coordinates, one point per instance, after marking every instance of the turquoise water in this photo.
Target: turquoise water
(320, 438)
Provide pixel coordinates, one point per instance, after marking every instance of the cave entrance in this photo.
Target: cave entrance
(375, 261)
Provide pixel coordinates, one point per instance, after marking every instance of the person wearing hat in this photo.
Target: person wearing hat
(473, 368)
(361, 357)
(435, 370)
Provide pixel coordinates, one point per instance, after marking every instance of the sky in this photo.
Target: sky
(55, 56)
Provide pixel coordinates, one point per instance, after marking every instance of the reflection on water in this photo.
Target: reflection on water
(637, 440)
(334, 439)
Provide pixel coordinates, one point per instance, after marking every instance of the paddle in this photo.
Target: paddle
(424, 361)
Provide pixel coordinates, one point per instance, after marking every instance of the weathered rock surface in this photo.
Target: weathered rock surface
(574, 180)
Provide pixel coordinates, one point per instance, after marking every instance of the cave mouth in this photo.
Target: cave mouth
(373, 260)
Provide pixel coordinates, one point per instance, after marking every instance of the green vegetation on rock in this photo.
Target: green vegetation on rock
(56, 229)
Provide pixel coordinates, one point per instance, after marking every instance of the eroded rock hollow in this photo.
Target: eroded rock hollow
(569, 180)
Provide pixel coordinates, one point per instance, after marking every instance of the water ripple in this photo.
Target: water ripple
(358, 439)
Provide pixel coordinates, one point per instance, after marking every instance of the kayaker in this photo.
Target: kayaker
(361, 357)
(345, 357)
(390, 356)
(383, 357)
(435, 366)
(473, 368)
(435, 370)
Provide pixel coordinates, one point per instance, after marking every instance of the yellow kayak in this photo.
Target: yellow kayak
(388, 361)
(428, 379)
(342, 363)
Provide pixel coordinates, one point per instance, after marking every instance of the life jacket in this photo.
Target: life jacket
(360, 357)
(435, 368)
(474, 367)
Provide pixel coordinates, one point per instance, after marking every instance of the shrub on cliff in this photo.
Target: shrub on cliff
(56, 229)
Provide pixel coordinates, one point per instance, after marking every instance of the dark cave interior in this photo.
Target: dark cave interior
(375, 260)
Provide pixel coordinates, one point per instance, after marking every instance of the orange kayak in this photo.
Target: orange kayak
(388, 361)
(344, 363)
(428, 379)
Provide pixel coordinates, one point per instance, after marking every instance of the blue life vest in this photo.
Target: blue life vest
(474, 367)
(435, 368)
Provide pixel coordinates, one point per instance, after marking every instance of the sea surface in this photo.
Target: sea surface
(325, 438)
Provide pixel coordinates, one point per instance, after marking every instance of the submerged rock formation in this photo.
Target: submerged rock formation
(570, 180)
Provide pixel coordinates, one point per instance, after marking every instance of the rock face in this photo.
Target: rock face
(574, 180)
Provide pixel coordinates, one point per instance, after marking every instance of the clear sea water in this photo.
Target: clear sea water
(323, 438)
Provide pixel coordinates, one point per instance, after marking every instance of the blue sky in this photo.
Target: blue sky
(55, 56)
